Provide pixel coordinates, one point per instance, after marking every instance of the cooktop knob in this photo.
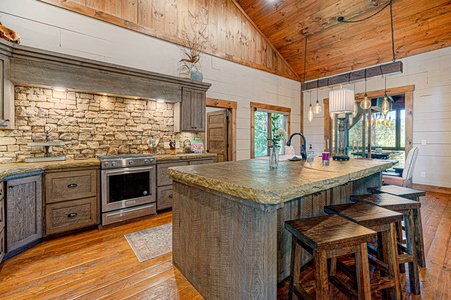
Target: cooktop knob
(113, 163)
(106, 164)
(146, 161)
(130, 162)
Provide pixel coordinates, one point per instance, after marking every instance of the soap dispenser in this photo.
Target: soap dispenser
(310, 154)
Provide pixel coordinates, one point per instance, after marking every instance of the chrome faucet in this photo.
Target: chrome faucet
(303, 145)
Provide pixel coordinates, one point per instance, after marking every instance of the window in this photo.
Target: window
(261, 127)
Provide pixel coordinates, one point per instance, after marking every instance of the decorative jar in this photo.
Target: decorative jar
(273, 157)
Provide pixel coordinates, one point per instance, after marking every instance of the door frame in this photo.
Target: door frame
(231, 106)
(408, 94)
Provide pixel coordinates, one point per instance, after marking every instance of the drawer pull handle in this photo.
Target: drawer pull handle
(72, 215)
(72, 185)
(170, 196)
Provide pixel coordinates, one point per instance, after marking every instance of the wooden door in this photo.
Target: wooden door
(217, 134)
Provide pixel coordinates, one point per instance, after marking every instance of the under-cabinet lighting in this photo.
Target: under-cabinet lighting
(160, 100)
(59, 89)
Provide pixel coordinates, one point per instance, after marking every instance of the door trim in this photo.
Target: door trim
(231, 106)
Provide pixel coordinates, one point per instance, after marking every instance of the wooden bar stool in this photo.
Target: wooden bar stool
(414, 195)
(328, 237)
(407, 208)
(383, 222)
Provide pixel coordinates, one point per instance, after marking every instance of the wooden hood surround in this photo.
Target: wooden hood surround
(21, 65)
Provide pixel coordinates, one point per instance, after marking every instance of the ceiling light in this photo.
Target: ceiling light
(310, 110)
(366, 103)
(317, 108)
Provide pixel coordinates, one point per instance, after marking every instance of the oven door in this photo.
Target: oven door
(127, 187)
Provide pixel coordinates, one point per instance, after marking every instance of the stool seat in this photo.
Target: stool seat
(398, 191)
(382, 221)
(387, 201)
(328, 232)
(328, 237)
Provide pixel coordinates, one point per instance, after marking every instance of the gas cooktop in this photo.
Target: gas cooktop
(126, 160)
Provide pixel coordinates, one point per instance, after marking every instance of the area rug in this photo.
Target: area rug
(152, 242)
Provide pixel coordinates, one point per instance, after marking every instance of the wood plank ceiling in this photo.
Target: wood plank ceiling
(334, 47)
(270, 34)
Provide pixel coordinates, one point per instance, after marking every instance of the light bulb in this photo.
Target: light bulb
(385, 105)
(351, 120)
(366, 103)
(310, 113)
(356, 109)
(317, 108)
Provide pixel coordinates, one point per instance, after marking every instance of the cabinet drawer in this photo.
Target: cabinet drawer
(164, 197)
(162, 172)
(2, 244)
(71, 215)
(62, 186)
(201, 162)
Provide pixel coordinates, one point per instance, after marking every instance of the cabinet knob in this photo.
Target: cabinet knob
(72, 215)
(72, 185)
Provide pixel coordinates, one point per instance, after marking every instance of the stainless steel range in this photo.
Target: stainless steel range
(128, 187)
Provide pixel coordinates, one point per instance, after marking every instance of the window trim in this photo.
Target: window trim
(269, 108)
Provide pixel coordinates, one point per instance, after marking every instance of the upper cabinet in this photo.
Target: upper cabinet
(189, 115)
(6, 91)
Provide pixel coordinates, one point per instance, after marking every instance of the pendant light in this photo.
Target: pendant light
(341, 100)
(385, 107)
(366, 103)
(317, 108)
(356, 107)
(310, 110)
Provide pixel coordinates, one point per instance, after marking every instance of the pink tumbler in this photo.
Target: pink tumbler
(326, 158)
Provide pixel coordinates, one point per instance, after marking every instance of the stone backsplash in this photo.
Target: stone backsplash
(89, 124)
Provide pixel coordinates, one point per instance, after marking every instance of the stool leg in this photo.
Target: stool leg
(292, 267)
(392, 260)
(332, 272)
(414, 277)
(321, 276)
(419, 244)
(363, 273)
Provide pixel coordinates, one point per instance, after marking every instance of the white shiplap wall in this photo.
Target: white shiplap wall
(431, 74)
(47, 27)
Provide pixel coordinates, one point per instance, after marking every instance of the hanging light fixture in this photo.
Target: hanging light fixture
(310, 110)
(385, 107)
(317, 108)
(366, 103)
(341, 101)
(356, 107)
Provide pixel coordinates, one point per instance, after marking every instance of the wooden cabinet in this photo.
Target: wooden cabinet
(164, 182)
(2, 222)
(23, 212)
(71, 200)
(190, 113)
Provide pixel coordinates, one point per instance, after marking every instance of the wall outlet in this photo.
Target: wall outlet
(166, 145)
(423, 174)
(423, 142)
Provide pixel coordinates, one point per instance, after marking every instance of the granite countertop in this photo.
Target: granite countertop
(253, 180)
(13, 169)
(182, 156)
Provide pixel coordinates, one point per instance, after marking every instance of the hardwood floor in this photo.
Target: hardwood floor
(99, 264)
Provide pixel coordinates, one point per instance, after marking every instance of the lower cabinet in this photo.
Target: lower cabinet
(23, 212)
(164, 182)
(71, 199)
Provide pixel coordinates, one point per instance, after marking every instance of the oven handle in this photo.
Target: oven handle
(128, 170)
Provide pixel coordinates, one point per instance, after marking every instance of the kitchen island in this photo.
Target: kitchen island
(228, 218)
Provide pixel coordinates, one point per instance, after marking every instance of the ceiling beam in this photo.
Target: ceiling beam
(390, 68)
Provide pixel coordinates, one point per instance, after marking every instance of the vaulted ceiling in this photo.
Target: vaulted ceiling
(335, 47)
(271, 35)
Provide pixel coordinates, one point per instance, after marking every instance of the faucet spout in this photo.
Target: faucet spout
(303, 144)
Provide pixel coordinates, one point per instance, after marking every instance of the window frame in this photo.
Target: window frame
(269, 109)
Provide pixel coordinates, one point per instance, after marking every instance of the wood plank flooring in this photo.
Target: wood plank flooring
(99, 264)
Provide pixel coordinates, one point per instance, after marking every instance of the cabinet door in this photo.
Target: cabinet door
(23, 212)
(2, 244)
(162, 172)
(191, 111)
(164, 197)
(61, 186)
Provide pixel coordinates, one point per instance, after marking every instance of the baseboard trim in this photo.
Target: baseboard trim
(432, 188)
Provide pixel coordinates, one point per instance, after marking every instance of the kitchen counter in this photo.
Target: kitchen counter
(16, 169)
(228, 235)
(13, 169)
(253, 180)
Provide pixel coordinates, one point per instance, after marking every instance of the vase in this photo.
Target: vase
(273, 157)
(196, 75)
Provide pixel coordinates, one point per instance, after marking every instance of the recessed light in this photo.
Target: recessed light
(59, 89)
